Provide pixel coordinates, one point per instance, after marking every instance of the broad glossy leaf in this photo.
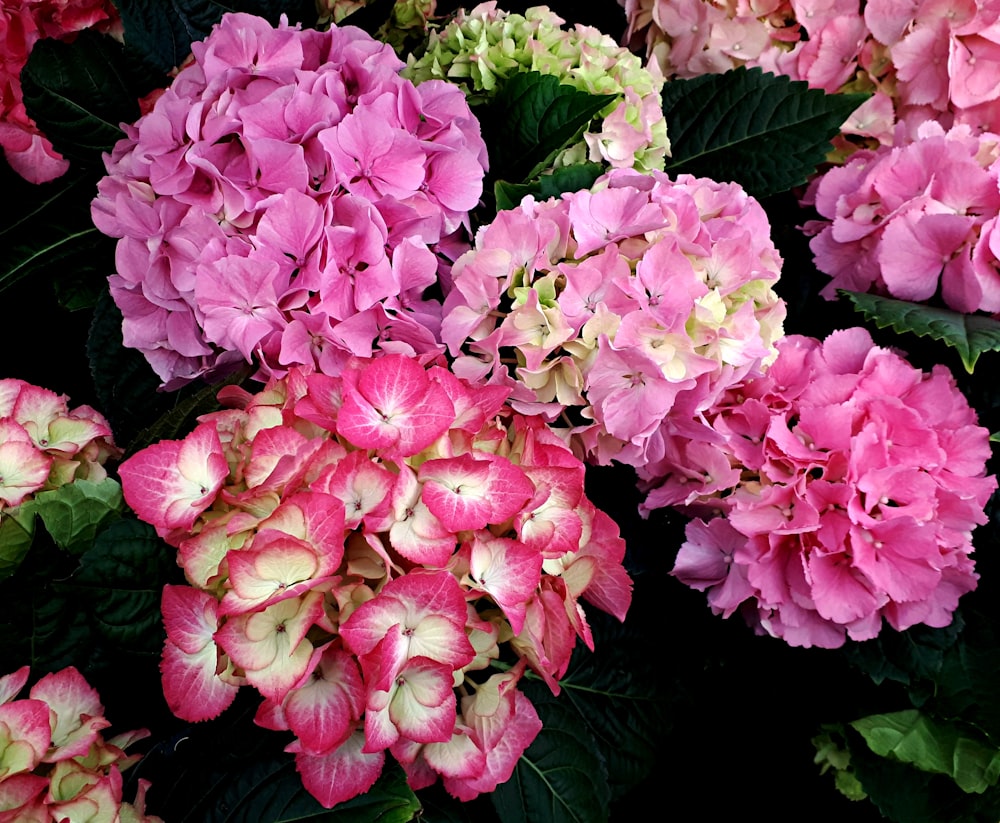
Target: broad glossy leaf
(17, 530)
(531, 119)
(761, 130)
(969, 334)
(79, 93)
(561, 778)
(932, 746)
(565, 178)
(74, 514)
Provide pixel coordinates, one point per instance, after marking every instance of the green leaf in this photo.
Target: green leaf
(161, 33)
(120, 581)
(79, 93)
(532, 119)
(932, 746)
(17, 531)
(51, 231)
(271, 791)
(565, 178)
(561, 777)
(761, 130)
(74, 514)
(969, 334)
(906, 657)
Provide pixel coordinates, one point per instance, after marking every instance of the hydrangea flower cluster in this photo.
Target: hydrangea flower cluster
(54, 763)
(483, 47)
(44, 444)
(408, 19)
(622, 312)
(22, 24)
(922, 61)
(360, 549)
(850, 484)
(282, 202)
(914, 221)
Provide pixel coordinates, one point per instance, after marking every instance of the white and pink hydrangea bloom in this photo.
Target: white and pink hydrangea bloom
(915, 221)
(374, 541)
(54, 761)
(858, 482)
(283, 203)
(619, 313)
(44, 444)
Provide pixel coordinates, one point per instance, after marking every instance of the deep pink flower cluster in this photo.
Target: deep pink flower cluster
(22, 24)
(282, 201)
(923, 61)
(55, 765)
(621, 312)
(360, 549)
(850, 484)
(44, 444)
(914, 221)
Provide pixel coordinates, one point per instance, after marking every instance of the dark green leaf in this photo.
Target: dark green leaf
(565, 178)
(51, 233)
(271, 791)
(906, 657)
(17, 530)
(532, 119)
(561, 777)
(79, 93)
(969, 334)
(74, 513)
(763, 131)
(120, 581)
(161, 33)
(932, 746)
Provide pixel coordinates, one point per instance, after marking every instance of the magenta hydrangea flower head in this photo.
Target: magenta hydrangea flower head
(360, 549)
(622, 312)
(848, 484)
(914, 221)
(282, 202)
(482, 48)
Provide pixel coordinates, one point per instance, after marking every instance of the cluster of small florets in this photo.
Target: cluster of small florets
(22, 24)
(482, 48)
(360, 549)
(915, 221)
(622, 312)
(407, 21)
(921, 61)
(55, 764)
(849, 482)
(281, 203)
(45, 445)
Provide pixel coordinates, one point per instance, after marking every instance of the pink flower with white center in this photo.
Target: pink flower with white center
(279, 177)
(376, 541)
(851, 507)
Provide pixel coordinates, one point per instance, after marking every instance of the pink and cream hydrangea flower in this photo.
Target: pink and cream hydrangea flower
(858, 481)
(359, 548)
(54, 762)
(619, 313)
(299, 222)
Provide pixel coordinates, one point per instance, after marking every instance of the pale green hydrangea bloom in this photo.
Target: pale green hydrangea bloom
(481, 48)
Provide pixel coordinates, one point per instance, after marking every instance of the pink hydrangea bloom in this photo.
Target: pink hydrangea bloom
(378, 539)
(282, 202)
(54, 761)
(619, 313)
(922, 61)
(858, 482)
(914, 221)
(22, 24)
